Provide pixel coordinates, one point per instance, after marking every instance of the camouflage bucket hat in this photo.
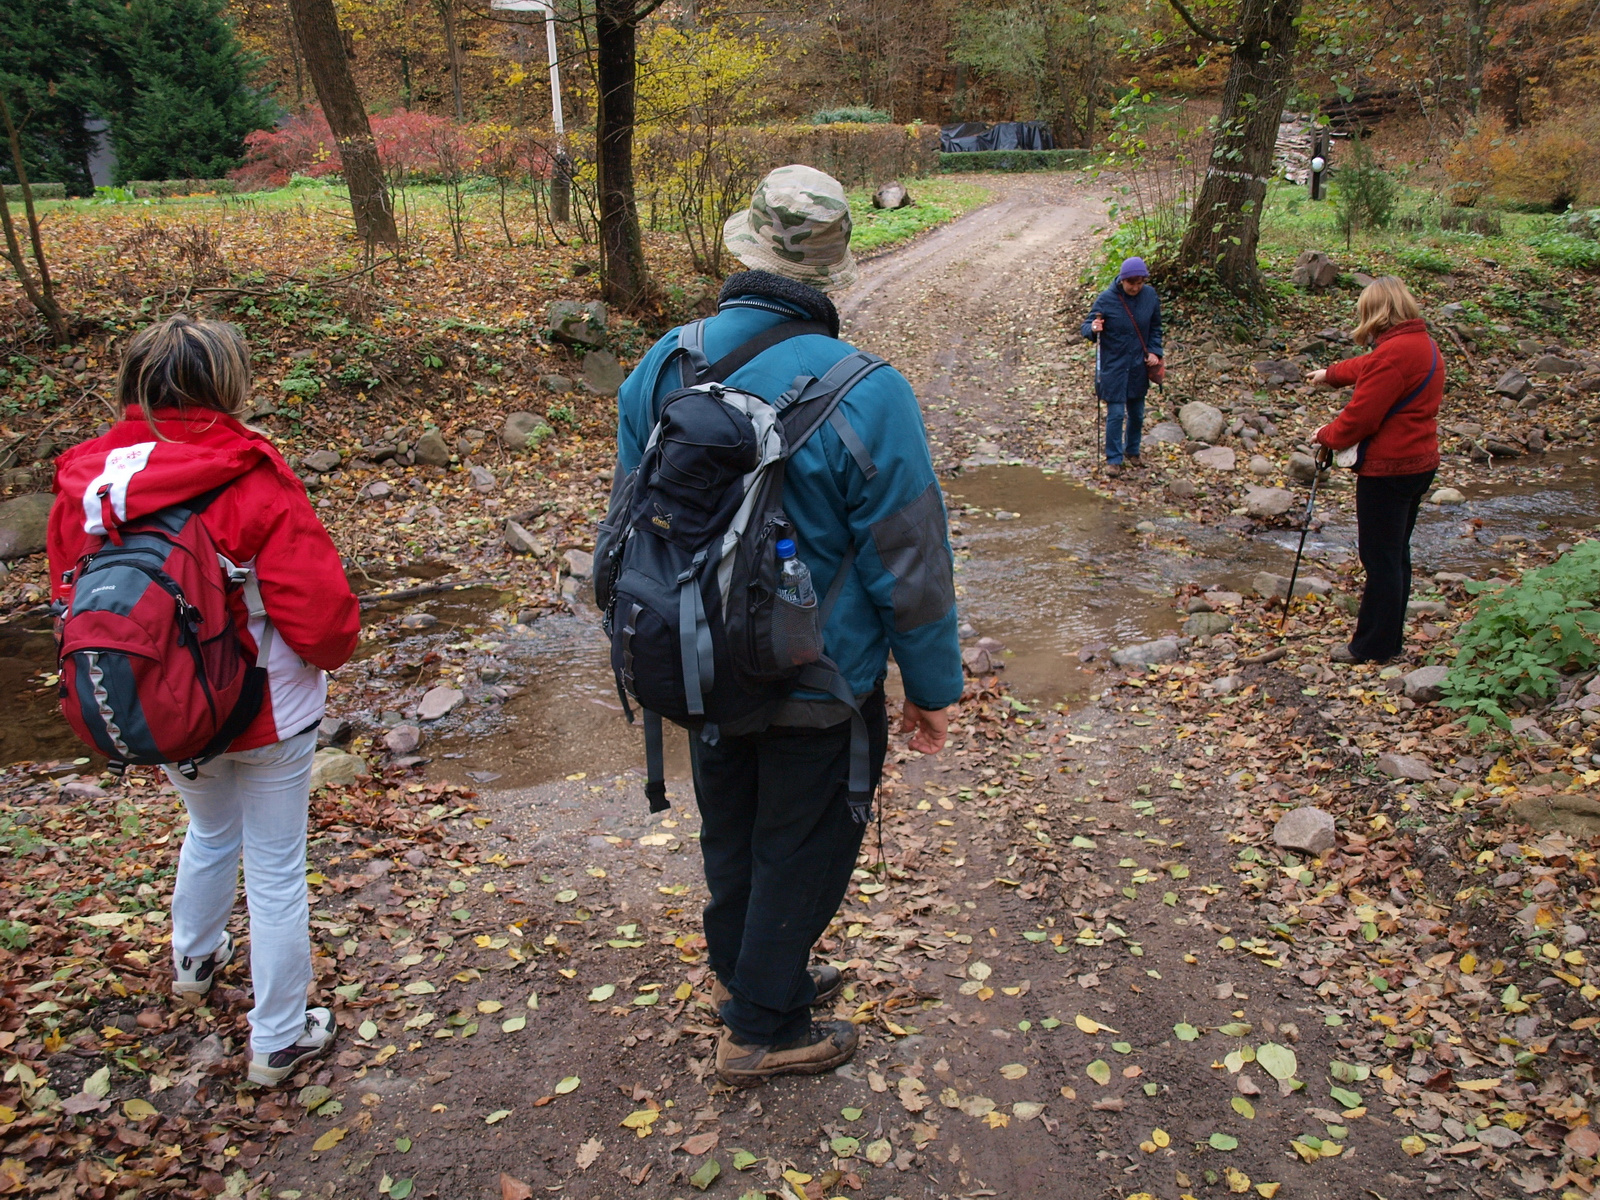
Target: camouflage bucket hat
(797, 225)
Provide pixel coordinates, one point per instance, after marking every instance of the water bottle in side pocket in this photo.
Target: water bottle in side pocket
(796, 632)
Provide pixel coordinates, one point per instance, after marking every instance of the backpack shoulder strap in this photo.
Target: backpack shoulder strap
(695, 368)
(809, 402)
(1404, 401)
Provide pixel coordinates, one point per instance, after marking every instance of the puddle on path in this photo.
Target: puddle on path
(1062, 569)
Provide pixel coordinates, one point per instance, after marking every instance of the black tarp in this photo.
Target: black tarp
(1008, 135)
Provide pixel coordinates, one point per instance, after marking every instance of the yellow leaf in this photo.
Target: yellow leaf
(797, 1177)
(1238, 1181)
(1090, 1025)
(1269, 1190)
(1013, 1071)
(996, 1120)
(328, 1140)
(1161, 1138)
(1477, 1085)
(683, 993)
(1469, 963)
(138, 1110)
(641, 1121)
(489, 1006)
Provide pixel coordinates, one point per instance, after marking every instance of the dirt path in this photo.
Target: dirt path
(1048, 977)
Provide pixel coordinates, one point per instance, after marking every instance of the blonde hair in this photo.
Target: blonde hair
(185, 363)
(1383, 304)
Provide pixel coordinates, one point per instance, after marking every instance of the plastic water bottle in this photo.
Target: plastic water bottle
(794, 580)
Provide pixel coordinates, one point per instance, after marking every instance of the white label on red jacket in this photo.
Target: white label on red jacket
(122, 464)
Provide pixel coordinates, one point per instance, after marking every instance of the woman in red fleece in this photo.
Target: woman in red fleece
(181, 384)
(1391, 422)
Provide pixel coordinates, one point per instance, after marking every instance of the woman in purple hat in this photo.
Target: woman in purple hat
(1126, 320)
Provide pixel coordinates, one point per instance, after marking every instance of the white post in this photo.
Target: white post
(560, 181)
(555, 78)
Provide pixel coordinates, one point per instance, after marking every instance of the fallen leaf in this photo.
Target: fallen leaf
(569, 1084)
(1223, 1141)
(700, 1143)
(1099, 1071)
(708, 1172)
(602, 993)
(1013, 1071)
(1277, 1061)
(1244, 1108)
(498, 1115)
(1185, 1032)
(138, 1110)
(513, 1024)
(328, 1140)
(512, 1188)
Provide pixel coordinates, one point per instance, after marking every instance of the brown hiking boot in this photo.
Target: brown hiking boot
(826, 1045)
(1113, 469)
(827, 977)
(1134, 460)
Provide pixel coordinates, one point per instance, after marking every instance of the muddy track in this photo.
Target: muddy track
(1064, 870)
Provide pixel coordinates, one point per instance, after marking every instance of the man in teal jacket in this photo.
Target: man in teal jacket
(778, 839)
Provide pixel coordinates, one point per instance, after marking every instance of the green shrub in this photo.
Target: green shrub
(1523, 637)
(1483, 221)
(1015, 160)
(1567, 250)
(1423, 258)
(1364, 194)
(14, 935)
(1584, 222)
(41, 191)
(850, 114)
(862, 155)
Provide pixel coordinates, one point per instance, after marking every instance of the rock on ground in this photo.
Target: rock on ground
(520, 541)
(482, 478)
(419, 620)
(402, 739)
(1306, 829)
(578, 323)
(1268, 584)
(1447, 495)
(579, 563)
(1166, 431)
(1202, 624)
(1268, 502)
(431, 450)
(1259, 465)
(1314, 270)
(1184, 489)
(336, 768)
(1302, 467)
(1162, 650)
(333, 731)
(1427, 608)
(321, 461)
(1405, 766)
(892, 195)
(438, 702)
(1216, 458)
(602, 373)
(1201, 421)
(1513, 384)
(519, 427)
(22, 525)
(1425, 684)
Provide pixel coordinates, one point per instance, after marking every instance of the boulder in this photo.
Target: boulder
(1259, 465)
(1426, 684)
(892, 195)
(330, 767)
(1447, 495)
(321, 461)
(482, 479)
(377, 490)
(1205, 624)
(419, 620)
(1216, 458)
(431, 450)
(1267, 503)
(83, 789)
(602, 373)
(978, 660)
(1183, 489)
(559, 384)
(1554, 364)
(1314, 270)
(520, 541)
(402, 740)
(578, 323)
(1513, 384)
(1201, 421)
(22, 525)
(1162, 650)
(1405, 766)
(1269, 585)
(1278, 371)
(1302, 468)
(579, 563)
(520, 430)
(333, 731)
(1361, 279)
(1166, 431)
(1427, 608)
(438, 702)
(1306, 829)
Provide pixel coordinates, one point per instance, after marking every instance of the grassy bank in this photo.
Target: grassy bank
(938, 201)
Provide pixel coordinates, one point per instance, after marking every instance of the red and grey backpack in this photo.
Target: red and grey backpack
(152, 669)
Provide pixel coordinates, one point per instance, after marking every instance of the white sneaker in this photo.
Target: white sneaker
(192, 978)
(270, 1070)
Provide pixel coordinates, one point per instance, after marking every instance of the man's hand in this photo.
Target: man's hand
(1152, 360)
(1098, 324)
(1318, 378)
(928, 728)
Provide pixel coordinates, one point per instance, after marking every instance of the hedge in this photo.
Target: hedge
(857, 155)
(160, 189)
(1014, 160)
(41, 191)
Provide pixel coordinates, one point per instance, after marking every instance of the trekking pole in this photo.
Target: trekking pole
(1098, 420)
(1305, 527)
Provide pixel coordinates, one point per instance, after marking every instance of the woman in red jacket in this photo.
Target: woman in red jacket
(1391, 425)
(181, 385)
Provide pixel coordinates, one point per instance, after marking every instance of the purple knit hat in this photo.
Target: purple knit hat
(1133, 268)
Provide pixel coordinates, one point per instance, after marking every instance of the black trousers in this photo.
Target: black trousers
(1386, 513)
(779, 845)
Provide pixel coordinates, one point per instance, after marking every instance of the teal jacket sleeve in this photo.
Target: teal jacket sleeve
(636, 404)
(897, 522)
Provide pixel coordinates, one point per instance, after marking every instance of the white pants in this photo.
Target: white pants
(254, 800)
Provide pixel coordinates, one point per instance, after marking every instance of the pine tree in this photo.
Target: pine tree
(46, 74)
(176, 88)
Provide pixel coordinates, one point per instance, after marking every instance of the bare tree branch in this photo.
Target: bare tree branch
(1210, 35)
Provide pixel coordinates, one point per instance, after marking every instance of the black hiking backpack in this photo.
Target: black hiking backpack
(686, 570)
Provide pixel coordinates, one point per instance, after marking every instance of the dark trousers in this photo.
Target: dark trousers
(1386, 513)
(779, 846)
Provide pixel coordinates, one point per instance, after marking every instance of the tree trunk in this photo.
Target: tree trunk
(626, 278)
(316, 26)
(447, 16)
(1225, 225)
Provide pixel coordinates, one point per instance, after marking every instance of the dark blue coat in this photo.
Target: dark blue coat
(1122, 371)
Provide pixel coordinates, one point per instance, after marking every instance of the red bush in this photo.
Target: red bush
(415, 144)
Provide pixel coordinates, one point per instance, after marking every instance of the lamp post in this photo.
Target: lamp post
(561, 177)
(1321, 143)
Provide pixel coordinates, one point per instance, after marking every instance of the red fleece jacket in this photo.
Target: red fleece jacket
(1408, 442)
(263, 520)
